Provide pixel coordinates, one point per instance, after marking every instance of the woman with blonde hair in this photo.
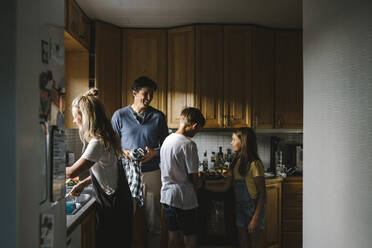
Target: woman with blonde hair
(101, 156)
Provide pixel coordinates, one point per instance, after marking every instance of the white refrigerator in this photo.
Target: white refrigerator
(52, 227)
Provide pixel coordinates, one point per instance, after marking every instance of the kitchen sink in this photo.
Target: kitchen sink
(78, 202)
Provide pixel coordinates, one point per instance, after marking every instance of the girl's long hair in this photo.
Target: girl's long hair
(95, 123)
(248, 151)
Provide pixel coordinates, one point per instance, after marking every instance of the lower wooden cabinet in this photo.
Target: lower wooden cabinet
(273, 213)
(88, 230)
(292, 213)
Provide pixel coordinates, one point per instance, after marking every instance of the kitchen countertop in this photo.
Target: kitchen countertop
(74, 220)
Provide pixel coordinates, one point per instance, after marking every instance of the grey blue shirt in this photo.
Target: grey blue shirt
(136, 131)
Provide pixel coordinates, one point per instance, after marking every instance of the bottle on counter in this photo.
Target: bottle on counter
(213, 160)
(219, 159)
(205, 162)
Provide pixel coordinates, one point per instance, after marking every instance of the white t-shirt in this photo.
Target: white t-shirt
(178, 159)
(105, 167)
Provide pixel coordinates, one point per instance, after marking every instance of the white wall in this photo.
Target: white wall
(337, 123)
(20, 61)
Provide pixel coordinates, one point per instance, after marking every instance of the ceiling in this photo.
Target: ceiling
(171, 13)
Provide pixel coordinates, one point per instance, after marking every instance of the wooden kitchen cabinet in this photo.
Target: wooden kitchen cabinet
(77, 23)
(88, 230)
(237, 76)
(288, 79)
(263, 43)
(292, 212)
(209, 73)
(145, 54)
(76, 74)
(181, 72)
(108, 65)
(273, 213)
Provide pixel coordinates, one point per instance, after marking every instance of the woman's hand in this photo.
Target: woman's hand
(77, 189)
(252, 227)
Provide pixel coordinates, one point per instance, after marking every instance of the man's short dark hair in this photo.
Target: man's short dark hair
(193, 115)
(143, 82)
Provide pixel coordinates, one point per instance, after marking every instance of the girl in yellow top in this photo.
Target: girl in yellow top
(248, 182)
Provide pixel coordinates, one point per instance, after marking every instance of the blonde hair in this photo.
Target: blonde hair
(95, 123)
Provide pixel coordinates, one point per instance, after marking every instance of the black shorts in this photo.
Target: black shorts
(178, 219)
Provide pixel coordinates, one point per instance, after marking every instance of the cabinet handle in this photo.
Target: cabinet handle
(256, 121)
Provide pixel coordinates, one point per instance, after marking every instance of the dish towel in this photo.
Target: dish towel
(133, 174)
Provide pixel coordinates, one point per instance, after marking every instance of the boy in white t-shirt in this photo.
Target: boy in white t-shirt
(179, 168)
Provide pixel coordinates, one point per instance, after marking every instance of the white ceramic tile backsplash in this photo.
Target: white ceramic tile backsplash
(206, 141)
(211, 141)
(73, 142)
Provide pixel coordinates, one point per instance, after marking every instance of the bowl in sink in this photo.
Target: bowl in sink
(77, 202)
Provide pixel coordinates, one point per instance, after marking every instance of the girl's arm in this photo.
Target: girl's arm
(78, 167)
(78, 188)
(221, 185)
(261, 188)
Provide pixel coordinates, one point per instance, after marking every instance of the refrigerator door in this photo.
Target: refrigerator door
(58, 157)
(44, 162)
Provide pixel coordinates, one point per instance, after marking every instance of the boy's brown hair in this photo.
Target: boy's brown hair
(192, 115)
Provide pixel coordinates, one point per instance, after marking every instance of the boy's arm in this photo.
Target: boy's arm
(221, 185)
(196, 181)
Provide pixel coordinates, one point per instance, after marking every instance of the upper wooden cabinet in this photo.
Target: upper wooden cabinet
(209, 73)
(108, 65)
(237, 76)
(263, 44)
(76, 74)
(181, 72)
(77, 23)
(288, 79)
(145, 54)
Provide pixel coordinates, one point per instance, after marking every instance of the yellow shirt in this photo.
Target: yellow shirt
(256, 170)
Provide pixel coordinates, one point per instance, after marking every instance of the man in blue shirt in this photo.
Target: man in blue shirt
(141, 126)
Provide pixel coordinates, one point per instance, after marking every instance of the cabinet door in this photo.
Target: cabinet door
(84, 30)
(77, 23)
(209, 73)
(73, 18)
(263, 78)
(108, 65)
(292, 212)
(181, 72)
(145, 54)
(88, 230)
(273, 215)
(288, 80)
(237, 75)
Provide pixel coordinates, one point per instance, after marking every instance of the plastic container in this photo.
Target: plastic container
(70, 207)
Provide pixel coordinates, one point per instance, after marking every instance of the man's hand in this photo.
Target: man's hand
(150, 154)
(126, 154)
